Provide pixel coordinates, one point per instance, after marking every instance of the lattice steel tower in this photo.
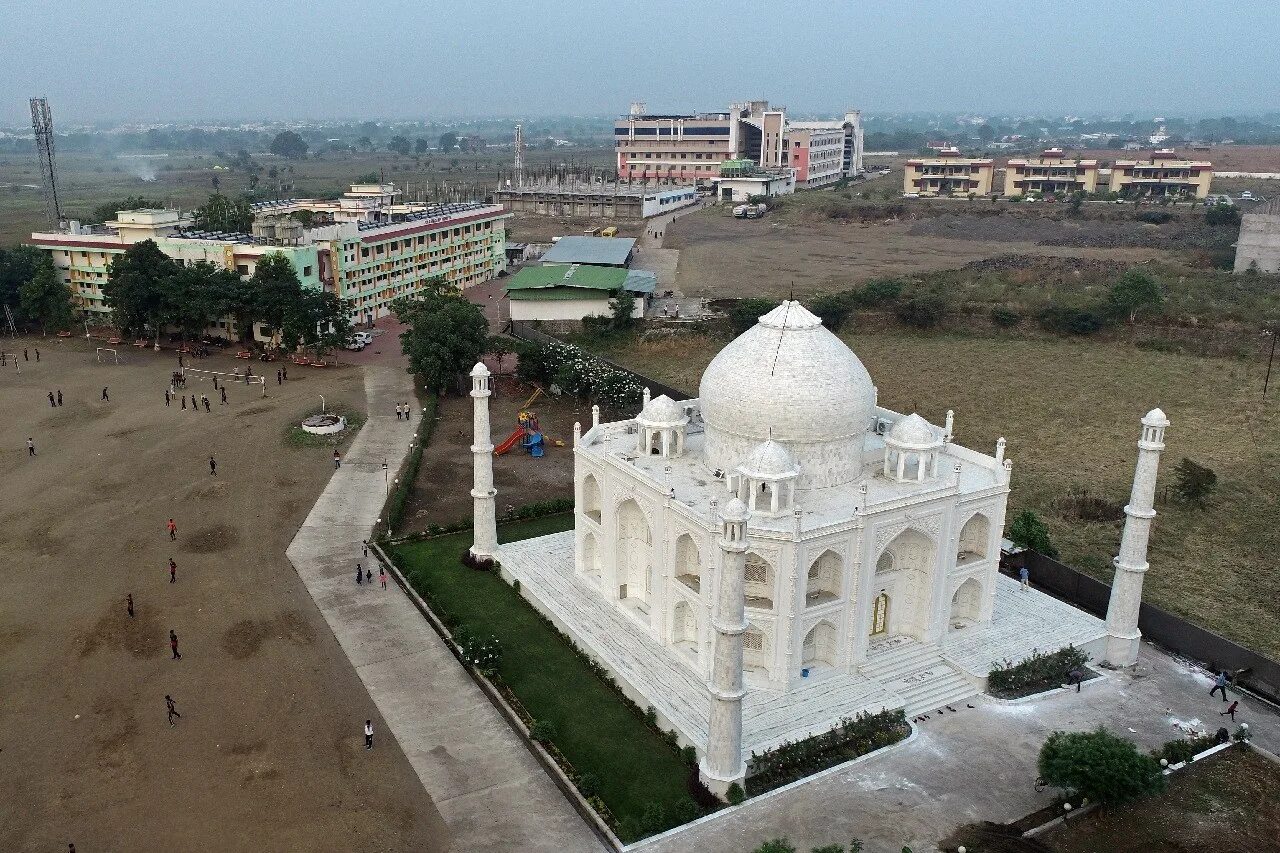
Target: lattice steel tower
(519, 164)
(42, 124)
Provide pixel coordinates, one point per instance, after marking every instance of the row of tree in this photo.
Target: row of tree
(148, 291)
(33, 290)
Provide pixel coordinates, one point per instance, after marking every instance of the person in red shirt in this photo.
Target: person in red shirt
(173, 644)
(173, 571)
(173, 530)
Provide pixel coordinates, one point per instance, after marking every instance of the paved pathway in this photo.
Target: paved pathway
(490, 791)
(978, 763)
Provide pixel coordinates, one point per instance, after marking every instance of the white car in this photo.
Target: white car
(364, 338)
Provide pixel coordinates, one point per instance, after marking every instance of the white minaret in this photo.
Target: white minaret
(723, 765)
(1131, 563)
(485, 522)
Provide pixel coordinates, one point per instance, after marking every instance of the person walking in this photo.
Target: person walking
(382, 576)
(25, 357)
(397, 410)
(194, 405)
(359, 573)
(205, 400)
(1219, 683)
(105, 398)
(279, 378)
(1231, 710)
(1024, 575)
(368, 575)
(364, 543)
(184, 402)
(337, 460)
(37, 355)
(173, 709)
(128, 604)
(284, 371)
(215, 383)
(167, 396)
(54, 405)
(213, 467)
(223, 391)
(173, 571)
(173, 645)
(31, 447)
(173, 530)
(368, 734)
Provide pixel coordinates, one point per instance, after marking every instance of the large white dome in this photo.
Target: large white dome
(789, 379)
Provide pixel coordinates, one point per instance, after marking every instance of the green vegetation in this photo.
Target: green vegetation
(1194, 483)
(1036, 674)
(399, 499)
(45, 300)
(289, 144)
(851, 738)
(1029, 531)
(637, 775)
(1098, 765)
(446, 335)
(221, 213)
(1184, 749)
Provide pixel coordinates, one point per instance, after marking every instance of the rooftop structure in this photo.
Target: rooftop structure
(572, 292)
(597, 251)
(596, 199)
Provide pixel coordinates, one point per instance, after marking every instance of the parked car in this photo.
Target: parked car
(354, 345)
(365, 338)
(740, 211)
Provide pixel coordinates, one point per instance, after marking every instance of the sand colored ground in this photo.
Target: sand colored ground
(268, 754)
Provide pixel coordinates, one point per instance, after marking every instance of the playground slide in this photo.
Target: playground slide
(509, 443)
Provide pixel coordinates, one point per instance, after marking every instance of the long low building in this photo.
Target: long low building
(370, 251)
(557, 292)
(612, 200)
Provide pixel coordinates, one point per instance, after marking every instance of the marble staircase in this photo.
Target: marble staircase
(918, 674)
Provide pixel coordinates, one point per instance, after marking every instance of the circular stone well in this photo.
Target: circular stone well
(324, 424)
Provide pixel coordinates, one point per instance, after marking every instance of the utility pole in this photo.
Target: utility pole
(1266, 381)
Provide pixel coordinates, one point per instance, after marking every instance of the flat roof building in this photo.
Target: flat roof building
(691, 147)
(368, 247)
(572, 292)
(948, 174)
(1051, 172)
(1165, 174)
(604, 200)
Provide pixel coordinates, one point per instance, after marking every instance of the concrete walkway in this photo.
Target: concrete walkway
(490, 791)
(978, 763)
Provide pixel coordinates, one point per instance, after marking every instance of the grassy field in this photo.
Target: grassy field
(1070, 411)
(635, 769)
(186, 179)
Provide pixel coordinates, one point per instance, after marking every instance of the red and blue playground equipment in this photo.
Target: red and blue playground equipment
(528, 434)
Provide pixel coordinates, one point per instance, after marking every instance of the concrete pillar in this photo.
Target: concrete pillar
(722, 765)
(485, 522)
(1131, 563)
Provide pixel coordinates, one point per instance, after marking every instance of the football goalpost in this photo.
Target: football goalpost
(113, 354)
(227, 378)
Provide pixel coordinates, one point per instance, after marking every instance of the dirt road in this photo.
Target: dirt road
(268, 753)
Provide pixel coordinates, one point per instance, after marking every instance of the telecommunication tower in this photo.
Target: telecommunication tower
(42, 125)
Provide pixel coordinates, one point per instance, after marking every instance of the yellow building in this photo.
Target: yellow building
(1163, 174)
(948, 174)
(1051, 172)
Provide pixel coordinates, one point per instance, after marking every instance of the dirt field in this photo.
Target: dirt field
(268, 753)
(1070, 412)
(442, 493)
(722, 257)
(532, 228)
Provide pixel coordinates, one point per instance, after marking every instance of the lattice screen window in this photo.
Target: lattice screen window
(753, 641)
(885, 563)
(757, 570)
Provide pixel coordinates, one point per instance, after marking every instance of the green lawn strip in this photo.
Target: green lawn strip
(594, 729)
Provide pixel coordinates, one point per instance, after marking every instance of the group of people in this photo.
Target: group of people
(402, 411)
(195, 403)
(26, 356)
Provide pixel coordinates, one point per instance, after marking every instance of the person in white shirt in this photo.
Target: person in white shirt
(368, 734)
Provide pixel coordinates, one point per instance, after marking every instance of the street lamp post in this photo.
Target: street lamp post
(386, 477)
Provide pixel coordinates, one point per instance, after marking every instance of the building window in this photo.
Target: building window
(306, 270)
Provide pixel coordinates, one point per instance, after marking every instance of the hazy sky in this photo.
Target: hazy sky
(180, 59)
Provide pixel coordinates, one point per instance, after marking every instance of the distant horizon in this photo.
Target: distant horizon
(150, 62)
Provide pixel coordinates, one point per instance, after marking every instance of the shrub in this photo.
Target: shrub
(1035, 674)
(1029, 531)
(1194, 483)
(690, 756)
(877, 292)
(650, 716)
(1184, 749)
(1136, 292)
(653, 818)
(542, 731)
(1070, 321)
(588, 785)
(923, 311)
(776, 845)
(745, 312)
(483, 653)
(834, 309)
(1222, 214)
(596, 326)
(685, 810)
(1154, 217)
(735, 795)
(853, 737)
(1098, 765)
(1005, 318)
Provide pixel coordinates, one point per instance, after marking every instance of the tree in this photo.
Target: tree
(277, 293)
(364, 143)
(446, 337)
(1098, 765)
(1194, 483)
(46, 299)
(834, 309)
(399, 144)
(421, 146)
(622, 305)
(17, 266)
(746, 312)
(1029, 531)
(289, 144)
(221, 213)
(1134, 293)
(108, 210)
(138, 288)
(500, 347)
(448, 141)
(1220, 213)
(197, 296)
(318, 319)
(924, 310)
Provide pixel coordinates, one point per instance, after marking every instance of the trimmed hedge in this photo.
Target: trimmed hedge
(1036, 674)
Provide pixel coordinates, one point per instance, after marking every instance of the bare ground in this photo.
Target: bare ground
(722, 257)
(268, 754)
